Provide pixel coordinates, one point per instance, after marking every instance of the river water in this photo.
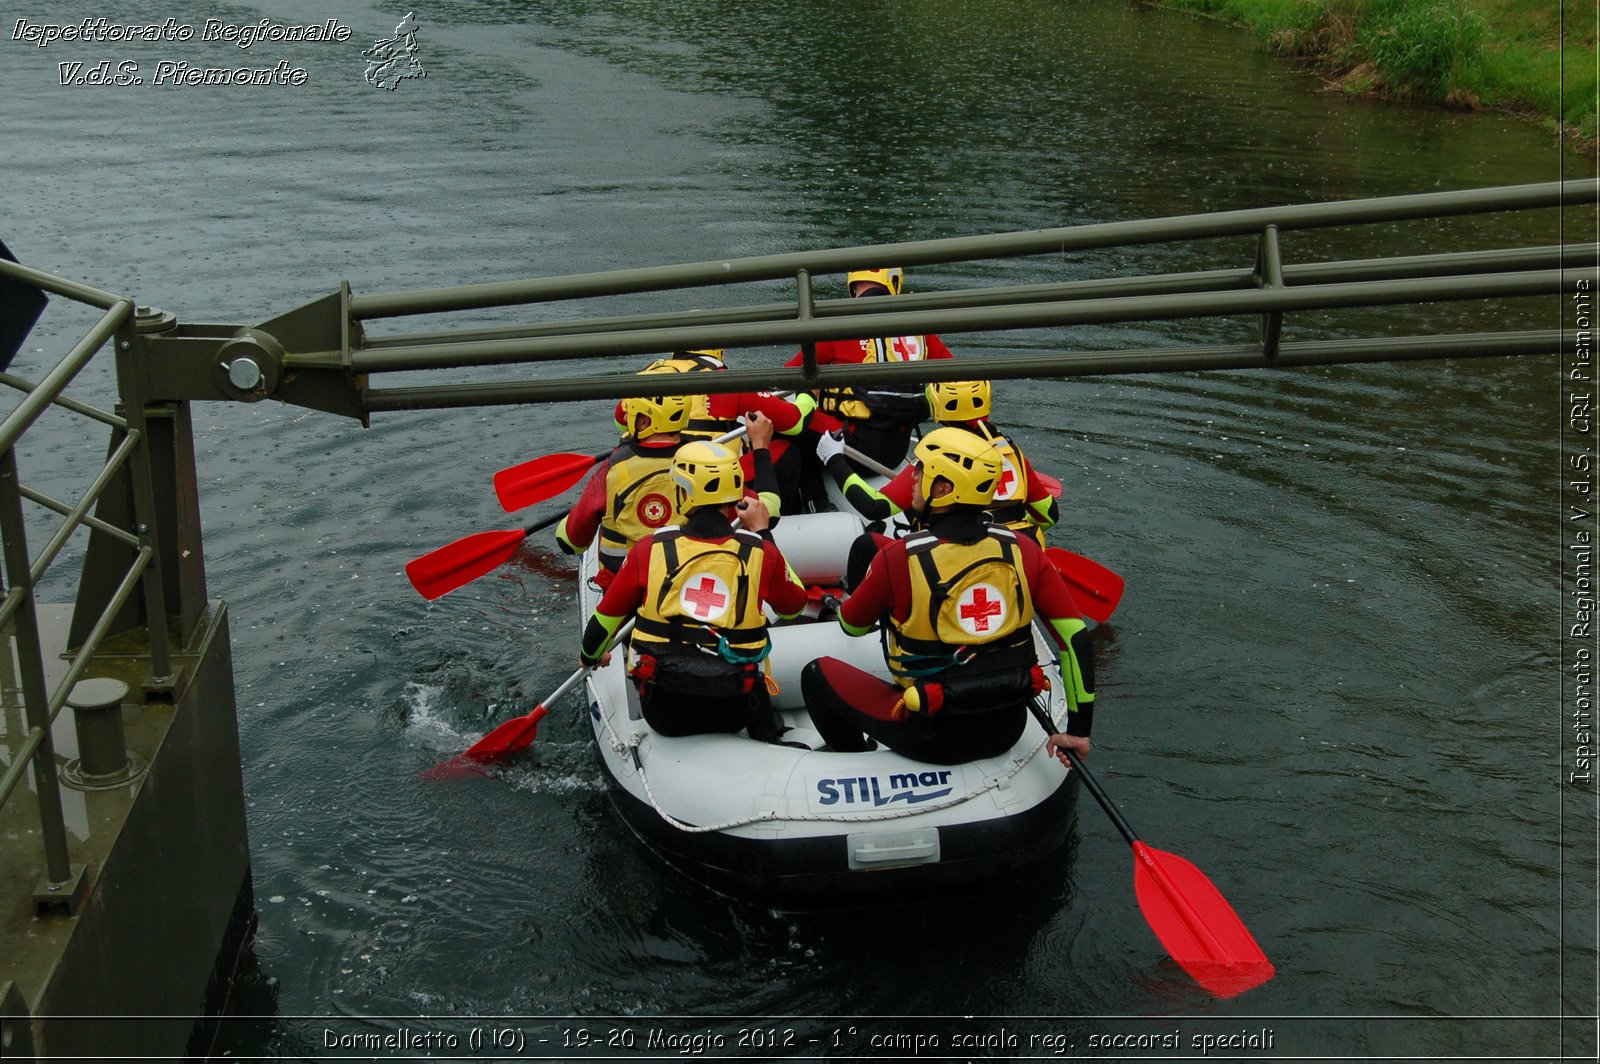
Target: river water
(1334, 683)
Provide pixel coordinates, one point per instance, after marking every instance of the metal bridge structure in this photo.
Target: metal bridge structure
(141, 656)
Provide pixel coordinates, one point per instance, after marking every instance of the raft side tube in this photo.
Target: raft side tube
(814, 871)
(816, 546)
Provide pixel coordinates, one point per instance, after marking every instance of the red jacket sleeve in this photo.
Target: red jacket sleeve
(625, 593)
(786, 596)
(898, 490)
(583, 520)
(784, 414)
(829, 352)
(1052, 598)
(874, 597)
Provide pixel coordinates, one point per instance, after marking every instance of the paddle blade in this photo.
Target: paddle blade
(510, 737)
(459, 767)
(462, 562)
(1051, 485)
(541, 479)
(1097, 589)
(1196, 924)
(507, 739)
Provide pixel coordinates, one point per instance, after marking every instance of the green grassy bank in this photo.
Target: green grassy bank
(1531, 57)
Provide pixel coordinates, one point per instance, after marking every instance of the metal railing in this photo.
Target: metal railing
(1267, 292)
(24, 572)
(321, 355)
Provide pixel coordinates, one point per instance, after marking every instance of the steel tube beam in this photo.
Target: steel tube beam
(82, 293)
(30, 664)
(1550, 256)
(105, 417)
(79, 514)
(1062, 365)
(969, 319)
(91, 644)
(957, 249)
(20, 766)
(120, 535)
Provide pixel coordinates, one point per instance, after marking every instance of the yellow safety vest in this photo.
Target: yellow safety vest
(642, 498)
(971, 609)
(908, 407)
(1010, 507)
(702, 596)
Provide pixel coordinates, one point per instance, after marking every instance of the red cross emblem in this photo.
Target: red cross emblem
(977, 606)
(1007, 485)
(705, 598)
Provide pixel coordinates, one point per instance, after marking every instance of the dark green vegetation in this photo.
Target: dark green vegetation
(1533, 57)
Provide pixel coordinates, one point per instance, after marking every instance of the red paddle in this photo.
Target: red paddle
(1097, 589)
(520, 486)
(1187, 912)
(509, 737)
(514, 735)
(539, 479)
(455, 564)
(1049, 483)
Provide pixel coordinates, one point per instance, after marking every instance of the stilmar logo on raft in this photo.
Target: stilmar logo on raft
(912, 788)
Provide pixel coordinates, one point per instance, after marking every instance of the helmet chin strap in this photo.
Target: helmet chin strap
(926, 512)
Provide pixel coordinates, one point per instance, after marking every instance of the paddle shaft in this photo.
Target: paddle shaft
(543, 523)
(1088, 778)
(572, 681)
(1196, 923)
(855, 455)
(861, 459)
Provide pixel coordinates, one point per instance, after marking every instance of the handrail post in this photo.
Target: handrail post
(1269, 274)
(146, 521)
(805, 310)
(35, 696)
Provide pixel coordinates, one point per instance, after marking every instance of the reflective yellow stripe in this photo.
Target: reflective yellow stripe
(851, 629)
(1071, 675)
(610, 625)
(565, 540)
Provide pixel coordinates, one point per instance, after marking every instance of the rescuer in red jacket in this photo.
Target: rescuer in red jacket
(878, 420)
(698, 591)
(957, 601)
(711, 416)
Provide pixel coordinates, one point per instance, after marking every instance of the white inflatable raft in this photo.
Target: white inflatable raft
(812, 828)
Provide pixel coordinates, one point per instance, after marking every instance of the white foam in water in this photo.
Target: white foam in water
(424, 722)
(549, 778)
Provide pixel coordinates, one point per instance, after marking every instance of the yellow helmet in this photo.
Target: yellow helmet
(667, 413)
(960, 400)
(707, 474)
(969, 462)
(678, 361)
(893, 279)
